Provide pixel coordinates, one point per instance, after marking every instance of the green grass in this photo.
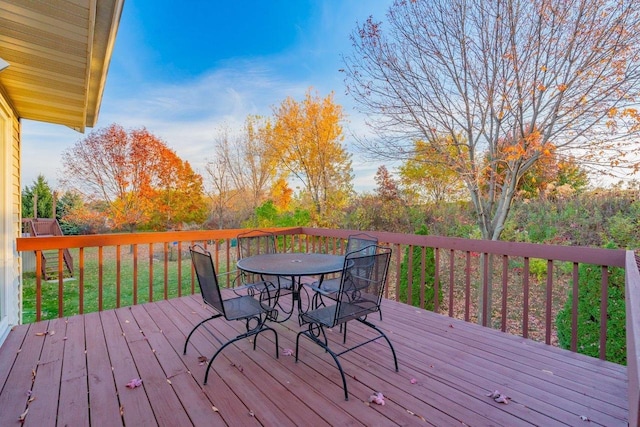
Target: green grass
(71, 290)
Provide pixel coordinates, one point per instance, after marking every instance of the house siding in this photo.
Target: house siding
(10, 219)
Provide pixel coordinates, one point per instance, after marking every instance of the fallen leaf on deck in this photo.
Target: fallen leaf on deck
(202, 360)
(214, 409)
(121, 410)
(168, 380)
(251, 414)
(377, 397)
(29, 392)
(287, 352)
(584, 418)
(23, 415)
(494, 394)
(499, 397)
(502, 399)
(41, 334)
(52, 332)
(136, 382)
(31, 399)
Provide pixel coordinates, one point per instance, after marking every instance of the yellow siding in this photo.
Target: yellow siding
(16, 207)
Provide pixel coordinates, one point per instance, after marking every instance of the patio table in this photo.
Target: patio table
(295, 266)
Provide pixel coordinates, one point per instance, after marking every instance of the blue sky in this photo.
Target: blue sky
(185, 71)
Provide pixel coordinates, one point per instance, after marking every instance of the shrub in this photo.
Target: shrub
(589, 296)
(429, 276)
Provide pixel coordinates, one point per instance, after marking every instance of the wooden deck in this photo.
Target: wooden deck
(74, 371)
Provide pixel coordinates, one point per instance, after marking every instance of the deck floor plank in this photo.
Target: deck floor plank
(73, 407)
(455, 364)
(103, 394)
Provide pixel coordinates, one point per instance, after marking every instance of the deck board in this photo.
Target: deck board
(81, 372)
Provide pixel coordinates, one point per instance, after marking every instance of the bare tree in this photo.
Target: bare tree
(505, 82)
(242, 172)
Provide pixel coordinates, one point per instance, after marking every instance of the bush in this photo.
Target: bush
(429, 276)
(589, 297)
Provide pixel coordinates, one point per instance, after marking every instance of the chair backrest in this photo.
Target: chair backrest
(207, 279)
(360, 241)
(256, 242)
(362, 283)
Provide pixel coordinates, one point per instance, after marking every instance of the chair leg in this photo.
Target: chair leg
(383, 335)
(238, 338)
(328, 350)
(194, 329)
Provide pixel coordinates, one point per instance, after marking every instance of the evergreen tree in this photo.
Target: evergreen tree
(44, 194)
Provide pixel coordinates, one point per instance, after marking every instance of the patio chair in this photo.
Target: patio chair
(243, 308)
(357, 297)
(362, 243)
(269, 288)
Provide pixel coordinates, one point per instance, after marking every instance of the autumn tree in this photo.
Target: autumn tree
(137, 177)
(307, 141)
(532, 74)
(428, 174)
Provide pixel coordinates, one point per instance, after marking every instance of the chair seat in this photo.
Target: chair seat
(327, 315)
(244, 306)
(327, 286)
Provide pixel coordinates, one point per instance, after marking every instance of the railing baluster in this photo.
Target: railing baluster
(525, 298)
(423, 284)
(135, 274)
(38, 285)
(81, 280)
(150, 272)
(100, 277)
(118, 275)
(574, 307)
(165, 270)
(549, 303)
(505, 277)
(409, 276)
(604, 300)
(485, 290)
(60, 283)
(179, 268)
(467, 288)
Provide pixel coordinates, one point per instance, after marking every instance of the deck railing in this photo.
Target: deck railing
(528, 283)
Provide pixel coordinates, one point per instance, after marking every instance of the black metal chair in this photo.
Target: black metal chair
(361, 243)
(358, 296)
(268, 288)
(244, 308)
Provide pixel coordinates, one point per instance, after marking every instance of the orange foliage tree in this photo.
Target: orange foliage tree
(507, 82)
(307, 140)
(142, 182)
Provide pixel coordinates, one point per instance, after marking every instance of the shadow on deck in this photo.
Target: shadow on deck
(73, 371)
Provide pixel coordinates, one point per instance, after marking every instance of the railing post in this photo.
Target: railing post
(632, 300)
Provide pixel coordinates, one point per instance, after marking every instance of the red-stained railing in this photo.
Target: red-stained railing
(523, 301)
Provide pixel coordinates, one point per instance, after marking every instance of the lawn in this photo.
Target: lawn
(71, 286)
